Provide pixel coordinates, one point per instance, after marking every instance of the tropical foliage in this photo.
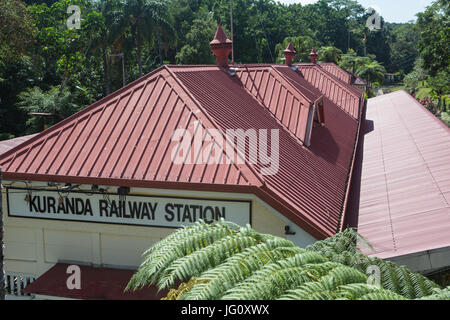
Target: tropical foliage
(224, 261)
(120, 40)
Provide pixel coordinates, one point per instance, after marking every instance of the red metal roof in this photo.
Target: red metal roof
(346, 96)
(96, 284)
(7, 145)
(125, 140)
(405, 183)
(312, 181)
(289, 103)
(336, 71)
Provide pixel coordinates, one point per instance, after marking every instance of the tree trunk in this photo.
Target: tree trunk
(2, 273)
(139, 50)
(106, 79)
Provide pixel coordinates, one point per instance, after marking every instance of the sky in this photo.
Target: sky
(391, 10)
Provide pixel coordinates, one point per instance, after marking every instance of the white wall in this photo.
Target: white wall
(33, 246)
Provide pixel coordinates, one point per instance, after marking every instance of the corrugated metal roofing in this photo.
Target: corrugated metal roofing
(125, 140)
(346, 96)
(7, 145)
(96, 284)
(125, 136)
(288, 104)
(311, 180)
(339, 73)
(405, 183)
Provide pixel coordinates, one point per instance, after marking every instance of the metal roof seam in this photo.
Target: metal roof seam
(156, 80)
(261, 102)
(136, 121)
(387, 195)
(257, 176)
(120, 114)
(125, 125)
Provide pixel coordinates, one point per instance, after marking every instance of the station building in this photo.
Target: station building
(100, 187)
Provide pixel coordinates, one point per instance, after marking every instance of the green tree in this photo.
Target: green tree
(16, 29)
(372, 71)
(106, 27)
(329, 54)
(149, 21)
(59, 103)
(348, 60)
(434, 43)
(224, 261)
(197, 49)
(403, 44)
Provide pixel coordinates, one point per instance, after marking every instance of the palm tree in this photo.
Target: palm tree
(329, 54)
(371, 71)
(225, 261)
(106, 24)
(348, 60)
(148, 20)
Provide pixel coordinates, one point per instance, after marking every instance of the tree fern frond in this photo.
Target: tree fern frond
(201, 260)
(239, 267)
(438, 294)
(225, 261)
(382, 294)
(178, 246)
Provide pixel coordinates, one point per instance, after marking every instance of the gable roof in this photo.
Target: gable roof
(349, 98)
(121, 138)
(125, 140)
(339, 73)
(286, 101)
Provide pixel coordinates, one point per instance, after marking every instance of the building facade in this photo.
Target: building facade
(103, 185)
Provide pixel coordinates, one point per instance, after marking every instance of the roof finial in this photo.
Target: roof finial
(313, 55)
(289, 53)
(221, 46)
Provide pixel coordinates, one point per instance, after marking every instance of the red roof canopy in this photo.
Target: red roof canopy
(405, 183)
(96, 284)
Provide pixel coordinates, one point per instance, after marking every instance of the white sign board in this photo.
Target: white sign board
(155, 211)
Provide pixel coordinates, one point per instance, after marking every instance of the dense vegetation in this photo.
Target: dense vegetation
(224, 261)
(47, 67)
(430, 77)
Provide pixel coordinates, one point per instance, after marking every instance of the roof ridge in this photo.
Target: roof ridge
(255, 174)
(289, 81)
(321, 95)
(280, 122)
(349, 87)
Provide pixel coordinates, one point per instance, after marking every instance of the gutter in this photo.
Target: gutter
(349, 178)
